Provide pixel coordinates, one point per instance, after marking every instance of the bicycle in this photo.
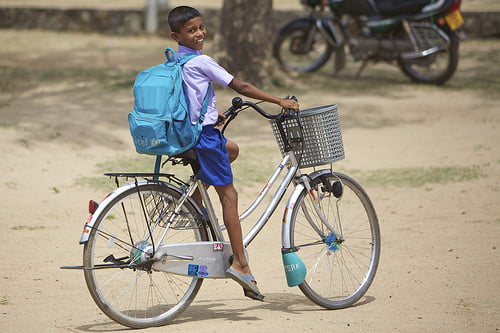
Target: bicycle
(148, 246)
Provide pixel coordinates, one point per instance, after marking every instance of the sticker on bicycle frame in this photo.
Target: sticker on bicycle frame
(218, 247)
(311, 192)
(284, 215)
(198, 270)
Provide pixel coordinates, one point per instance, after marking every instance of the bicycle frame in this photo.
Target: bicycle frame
(174, 258)
(214, 255)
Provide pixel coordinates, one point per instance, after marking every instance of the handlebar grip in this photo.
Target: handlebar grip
(291, 112)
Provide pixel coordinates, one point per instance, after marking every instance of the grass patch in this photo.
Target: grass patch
(416, 177)
(25, 227)
(478, 70)
(20, 79)
(248, 168)
(4, 300)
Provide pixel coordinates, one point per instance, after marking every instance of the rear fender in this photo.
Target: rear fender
(102, 205)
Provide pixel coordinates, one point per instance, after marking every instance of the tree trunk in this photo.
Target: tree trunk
(244, 40)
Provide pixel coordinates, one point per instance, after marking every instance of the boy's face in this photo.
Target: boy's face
(192, 34)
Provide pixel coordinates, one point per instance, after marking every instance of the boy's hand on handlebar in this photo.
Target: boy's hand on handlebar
(289, 104)
(221, 119)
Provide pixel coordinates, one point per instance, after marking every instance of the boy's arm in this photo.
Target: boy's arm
(249, 90)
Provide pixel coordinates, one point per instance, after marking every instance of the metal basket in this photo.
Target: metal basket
(316, 139)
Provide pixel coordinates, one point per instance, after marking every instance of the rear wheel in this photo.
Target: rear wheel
(340, 267)
(126, 233)
(436, 68)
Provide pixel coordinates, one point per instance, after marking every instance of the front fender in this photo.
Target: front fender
(291, 203)
(287, 216)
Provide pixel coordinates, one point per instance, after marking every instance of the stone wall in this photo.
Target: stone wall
(131, 21)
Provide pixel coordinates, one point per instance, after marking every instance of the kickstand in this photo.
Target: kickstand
(361, 68)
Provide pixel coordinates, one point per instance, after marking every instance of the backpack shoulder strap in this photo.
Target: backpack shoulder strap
(172, 56)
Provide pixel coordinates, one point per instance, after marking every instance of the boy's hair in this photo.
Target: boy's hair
(180, 15)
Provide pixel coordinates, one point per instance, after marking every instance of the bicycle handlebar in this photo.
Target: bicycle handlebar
(238, 103)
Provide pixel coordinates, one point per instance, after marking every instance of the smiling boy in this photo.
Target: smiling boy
(213, 150)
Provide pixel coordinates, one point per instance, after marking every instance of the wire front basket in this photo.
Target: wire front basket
(315, 137)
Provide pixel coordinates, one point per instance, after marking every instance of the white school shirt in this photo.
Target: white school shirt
(197, 73)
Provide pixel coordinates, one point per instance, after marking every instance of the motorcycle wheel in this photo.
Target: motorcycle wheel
(436, 68)
(301, 47)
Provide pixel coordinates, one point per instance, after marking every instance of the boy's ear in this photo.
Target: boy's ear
(174, 36)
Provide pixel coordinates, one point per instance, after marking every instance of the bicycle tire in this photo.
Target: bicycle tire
(293, 54)
(141, 297)
(339, 271)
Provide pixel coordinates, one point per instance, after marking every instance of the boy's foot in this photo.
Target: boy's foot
(253, 295)
(248, 283)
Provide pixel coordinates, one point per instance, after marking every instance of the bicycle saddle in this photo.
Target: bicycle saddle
(189, 157)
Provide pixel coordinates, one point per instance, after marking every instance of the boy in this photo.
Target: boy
(213, 150)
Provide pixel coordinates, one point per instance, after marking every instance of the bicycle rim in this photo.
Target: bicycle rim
(339, 271)
(139, 296)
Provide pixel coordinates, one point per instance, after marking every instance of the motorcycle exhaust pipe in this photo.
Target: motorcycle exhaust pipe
(421, 54)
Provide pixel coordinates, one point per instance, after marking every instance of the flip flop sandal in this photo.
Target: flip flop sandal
(245, 280)
(253, 295)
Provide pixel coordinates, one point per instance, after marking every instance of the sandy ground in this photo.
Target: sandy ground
(439, 269)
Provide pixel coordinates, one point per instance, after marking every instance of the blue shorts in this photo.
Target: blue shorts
(215, 168)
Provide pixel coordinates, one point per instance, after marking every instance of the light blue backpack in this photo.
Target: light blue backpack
(160, 123)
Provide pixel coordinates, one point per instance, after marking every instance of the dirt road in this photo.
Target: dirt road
(428, 156)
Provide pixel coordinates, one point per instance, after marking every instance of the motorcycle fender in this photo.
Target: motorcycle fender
(93, 217)
(297, 21)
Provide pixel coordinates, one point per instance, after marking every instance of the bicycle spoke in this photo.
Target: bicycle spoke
(138, 296)
(340, 266)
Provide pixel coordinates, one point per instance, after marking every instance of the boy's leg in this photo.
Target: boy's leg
(229, 200)
(233, 151)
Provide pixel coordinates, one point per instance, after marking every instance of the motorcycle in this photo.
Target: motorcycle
(420, 36)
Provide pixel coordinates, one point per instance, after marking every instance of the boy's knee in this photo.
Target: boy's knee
(233, 150)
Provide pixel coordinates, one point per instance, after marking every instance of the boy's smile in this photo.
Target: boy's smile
(192, 34)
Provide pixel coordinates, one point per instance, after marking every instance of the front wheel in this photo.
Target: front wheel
(436, 68)
(341, 266)
(125, 235)
(301, 47)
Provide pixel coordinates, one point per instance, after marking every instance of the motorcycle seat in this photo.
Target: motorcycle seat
(401, 7)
